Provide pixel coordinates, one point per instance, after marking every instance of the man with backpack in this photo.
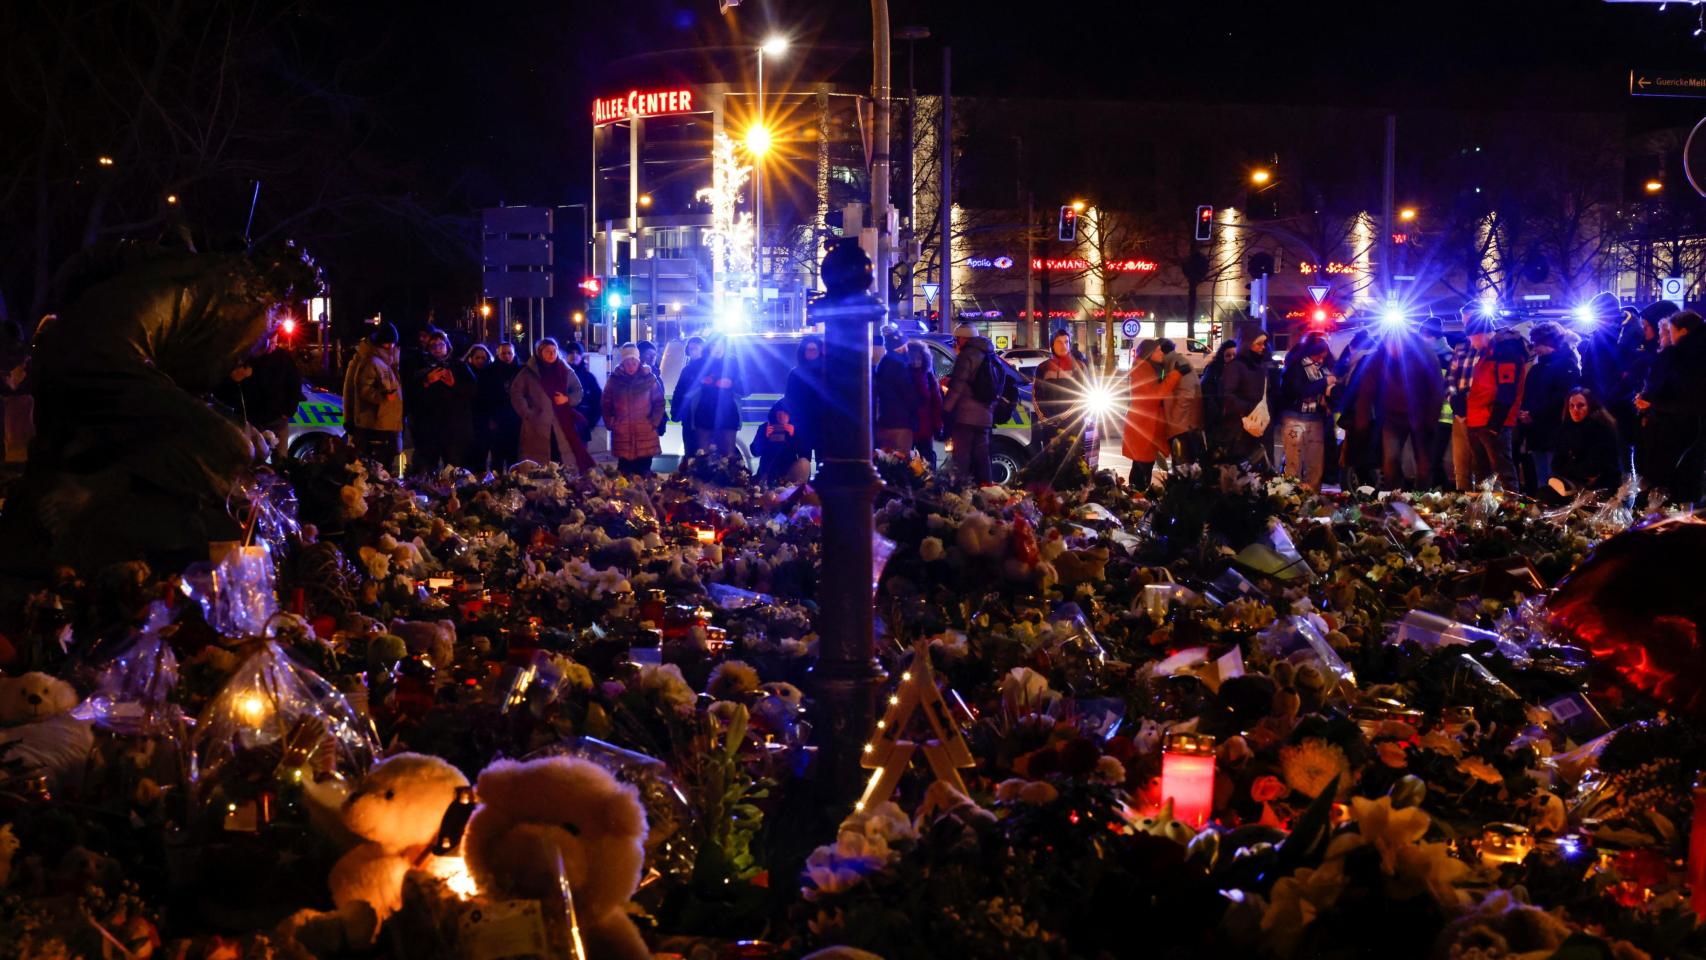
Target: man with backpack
(974, 386)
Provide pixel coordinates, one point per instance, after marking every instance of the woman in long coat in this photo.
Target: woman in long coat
(1145, 437)
(544, 394)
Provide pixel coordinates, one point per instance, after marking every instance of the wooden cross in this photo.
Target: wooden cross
(901, 733)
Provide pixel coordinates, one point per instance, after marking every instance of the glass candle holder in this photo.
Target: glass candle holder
(1187, 777)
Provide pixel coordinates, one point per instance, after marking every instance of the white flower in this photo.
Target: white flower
(378, 564)
(931, 549)
(1023, 690)
(665, 682)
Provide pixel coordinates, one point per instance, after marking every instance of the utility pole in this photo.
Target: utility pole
(911, 255)
(880, 146)
(1386, 203)
(947, 214)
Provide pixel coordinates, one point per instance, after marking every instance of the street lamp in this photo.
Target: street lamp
(758, 141)
(1655, 186)
(1077, 206)
(1407, 214)
(1260, 177)
(645, 199)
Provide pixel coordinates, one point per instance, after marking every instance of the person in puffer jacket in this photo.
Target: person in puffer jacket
(1499, 367)
(632, 405)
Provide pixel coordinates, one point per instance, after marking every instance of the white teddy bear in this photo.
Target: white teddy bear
(34, 710)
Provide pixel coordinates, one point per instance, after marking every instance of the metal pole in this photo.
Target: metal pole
(847, 674)
(1386, 200)
(947, 214)
(758, 196)
(880, 147)
(1030, 273)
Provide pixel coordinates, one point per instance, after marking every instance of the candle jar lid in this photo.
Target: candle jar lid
(1199, 744)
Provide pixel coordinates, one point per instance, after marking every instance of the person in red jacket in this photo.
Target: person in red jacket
(1495, 398)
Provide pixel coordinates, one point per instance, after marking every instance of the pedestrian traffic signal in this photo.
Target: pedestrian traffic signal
(615, 292)
(591, 285)
(1068, 225)
(1205, 222)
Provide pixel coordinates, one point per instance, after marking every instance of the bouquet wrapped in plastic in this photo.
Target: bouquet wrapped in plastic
(237, 594)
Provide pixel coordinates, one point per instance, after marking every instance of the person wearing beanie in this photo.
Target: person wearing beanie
(1494, 400)
(1144, 438)
(974, 385)
(1244, 390)
(805, 395)
(633, 410)
(1305, 409)
(1056, 386)
(441, 408)
(896, 396)
(1556, 372)
(590, 409)
(714, 405)
(373, 398)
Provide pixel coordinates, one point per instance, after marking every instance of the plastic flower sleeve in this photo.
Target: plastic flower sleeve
(670, 850)
(274, 715)
(133, 688)
(236, 595)
(1296, 636)
(1432, 631)
(271, 508)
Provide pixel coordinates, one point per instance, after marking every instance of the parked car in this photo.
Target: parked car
(1025, 360)
(318, 417)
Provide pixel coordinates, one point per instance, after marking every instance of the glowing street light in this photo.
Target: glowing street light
(1077, 206)
(758, 140)
(485, 310)
(171, 198)
(1407, 214)
(105, 161)
(1260, 177)
(775, 46)
(1655, 186)
(578, 317)
(645, 199)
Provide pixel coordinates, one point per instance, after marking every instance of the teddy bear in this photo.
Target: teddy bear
(535, 814)
(396, 811)
(39, 730)
(435, 638)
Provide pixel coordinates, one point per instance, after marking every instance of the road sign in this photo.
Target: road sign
(1129, 329)
(1666, 83)
(516, 285)
(499, 220)
(1672, 289)
(930, 291)
(498, 252)
(1318, 292)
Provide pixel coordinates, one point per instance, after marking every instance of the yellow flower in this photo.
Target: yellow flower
(1386, 829)
(1480, 770)
(1311, 765)
(1297, 900)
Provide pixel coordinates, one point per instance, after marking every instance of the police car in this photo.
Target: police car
(764, 361)
(318, 418)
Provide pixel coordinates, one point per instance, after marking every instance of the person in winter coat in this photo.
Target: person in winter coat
(1145, 436)
(1057, 391)
(492, 406)
(1408, 393)
(1586, 451)
(265, 389)
(1214, 387)
(1495, 398)
(714, 407)
(1183, 408)
(686, 384)
(544, 395)
(1244, 387)
(1305, 411)
(1555, 373)
(777, 447)
(373, 398)
(804, 395)
(1355, 401)
(970, 415)
(479, 359)
(649, 358)
(1673, 411)
(441, 408)
(928, 423)
(591, 406)
(897, 397)
(633, 409)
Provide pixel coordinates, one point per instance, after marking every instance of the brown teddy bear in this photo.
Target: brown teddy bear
(396, 811)
(536, 814)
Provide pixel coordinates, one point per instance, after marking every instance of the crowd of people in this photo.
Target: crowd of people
(1550, 410)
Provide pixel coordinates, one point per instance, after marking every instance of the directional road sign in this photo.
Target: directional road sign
(1666, 83)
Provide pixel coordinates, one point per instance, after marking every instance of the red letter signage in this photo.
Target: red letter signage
(641, 103)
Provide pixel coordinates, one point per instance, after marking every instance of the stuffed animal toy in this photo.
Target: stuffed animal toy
(536, 814)
(435, 638)
(396, 812)
(34, 709)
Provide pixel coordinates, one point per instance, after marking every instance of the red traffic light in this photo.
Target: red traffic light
(1320, 315)
(287, 326)
(592, 285)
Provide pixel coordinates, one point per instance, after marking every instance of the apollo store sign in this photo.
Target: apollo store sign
(1064, 264)
(642, 103)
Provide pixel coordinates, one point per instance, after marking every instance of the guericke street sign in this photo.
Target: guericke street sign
(1666, 83)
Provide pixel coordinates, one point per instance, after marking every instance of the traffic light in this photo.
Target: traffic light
(591, 285)
(1068, 225)
(1205, 222)
(616, 292)
(1261, 264)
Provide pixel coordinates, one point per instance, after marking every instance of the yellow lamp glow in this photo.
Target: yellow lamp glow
(1407, 214)
(775, 45)
(1654, 186)
(1260, 177)
(1077, 206)
(758, 139)
(252, 708)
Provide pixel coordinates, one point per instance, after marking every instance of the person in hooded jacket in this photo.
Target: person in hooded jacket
(633, 409)
(928, 424)
(896, 395)
(544, 395)
(803, 396)
(714, 406)
(1500, 367)
(969, 417)
(1245, 388)
(591, 406)
(373, 398)
(686, 387)
(1673, 411)
(1214, 388)
(1305, 409)
(1057, 389)
(1183, 408)
(493, 407)
(441, 408)
(1555, 373)
(1408, 391)
(1144, 438)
